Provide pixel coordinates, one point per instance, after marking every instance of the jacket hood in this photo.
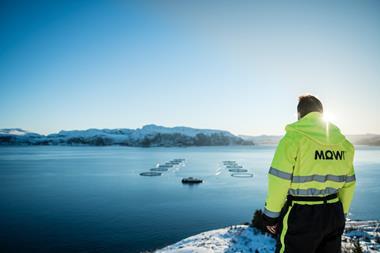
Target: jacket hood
(314, 127)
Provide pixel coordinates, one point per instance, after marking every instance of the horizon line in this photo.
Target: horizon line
(177, 126)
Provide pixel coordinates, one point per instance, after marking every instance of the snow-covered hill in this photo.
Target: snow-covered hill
(240, 238)
(148, 135)
(245, 239)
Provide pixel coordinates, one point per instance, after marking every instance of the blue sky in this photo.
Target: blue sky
(233, 65)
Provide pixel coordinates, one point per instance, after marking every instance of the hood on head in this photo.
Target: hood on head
(314, 127)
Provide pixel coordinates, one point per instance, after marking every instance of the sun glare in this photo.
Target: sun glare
(328, 116)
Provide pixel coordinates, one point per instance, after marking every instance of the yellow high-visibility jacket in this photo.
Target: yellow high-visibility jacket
(312, 159)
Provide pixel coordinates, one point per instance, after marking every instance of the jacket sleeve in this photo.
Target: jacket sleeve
(347, 192)
(280, 176)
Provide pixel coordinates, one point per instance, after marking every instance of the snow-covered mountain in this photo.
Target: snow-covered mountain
(148, 135)
(263, 139)
(365, 139)
(151, 135)
(16, 132)
(358, 139)
(245, 239)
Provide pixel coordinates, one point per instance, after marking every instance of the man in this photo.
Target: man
(310, 184)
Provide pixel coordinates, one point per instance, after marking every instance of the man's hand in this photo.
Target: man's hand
(272, 229)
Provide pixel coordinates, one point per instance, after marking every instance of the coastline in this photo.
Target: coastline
(243, 238)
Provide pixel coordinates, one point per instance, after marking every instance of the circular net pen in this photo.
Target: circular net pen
(165, 166)
(242, 175)
(150, 174)
(159, 169)
(238, 170)
(233, 166)
(229, 162)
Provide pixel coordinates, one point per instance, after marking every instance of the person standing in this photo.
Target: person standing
(311, 184)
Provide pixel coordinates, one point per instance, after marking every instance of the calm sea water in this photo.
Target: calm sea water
(92, 199)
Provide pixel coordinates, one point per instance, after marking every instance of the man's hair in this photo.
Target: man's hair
(307, 104)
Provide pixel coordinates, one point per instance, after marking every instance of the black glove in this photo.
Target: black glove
(270, 224)
(269, 221)
(261, 221)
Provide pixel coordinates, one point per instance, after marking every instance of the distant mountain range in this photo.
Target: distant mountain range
(365, 139)
(152, 136)
(147, 136)
(357, 139)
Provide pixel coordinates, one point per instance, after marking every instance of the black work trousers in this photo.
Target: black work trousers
(311, 228)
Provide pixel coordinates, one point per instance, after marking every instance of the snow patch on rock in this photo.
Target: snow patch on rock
(245, 239)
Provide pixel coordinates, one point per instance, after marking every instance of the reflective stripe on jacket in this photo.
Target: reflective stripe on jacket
(312, 159)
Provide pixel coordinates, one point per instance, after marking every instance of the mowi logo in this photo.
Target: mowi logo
(329, 155)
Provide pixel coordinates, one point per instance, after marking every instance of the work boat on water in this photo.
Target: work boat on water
(191, 180)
